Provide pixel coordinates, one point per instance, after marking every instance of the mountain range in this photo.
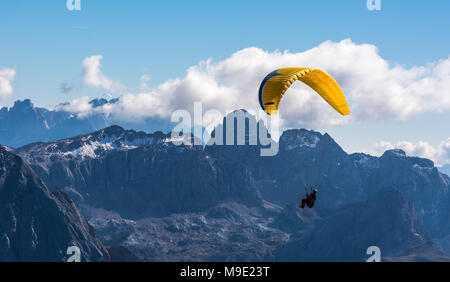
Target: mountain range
(227, 203)
(23, 123)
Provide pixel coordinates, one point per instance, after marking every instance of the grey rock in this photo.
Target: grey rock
(36, 225)
(387, 220)
(139, 175)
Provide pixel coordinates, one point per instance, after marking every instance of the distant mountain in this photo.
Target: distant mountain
(139, 189)
(36, 225)
(24, 123)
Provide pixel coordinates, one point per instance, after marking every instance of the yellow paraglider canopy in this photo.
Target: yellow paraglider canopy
(277, 82)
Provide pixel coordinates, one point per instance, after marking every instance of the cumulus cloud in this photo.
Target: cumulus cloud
(440, 154)
(444, 150)
(93, 77)
(6, 77)
(374, 88)
(80, 106)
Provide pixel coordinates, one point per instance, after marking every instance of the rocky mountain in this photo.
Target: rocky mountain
(311, 158)
(234, 232)
(24, 123)
(226, 232)
(36, 225)
(168, 202)
(139, 175)
(386, 220)
(417, 179)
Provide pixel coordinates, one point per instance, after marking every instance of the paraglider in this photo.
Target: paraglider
(277, 82)
(310, 199)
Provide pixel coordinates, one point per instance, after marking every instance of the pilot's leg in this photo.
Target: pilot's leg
(303, 203)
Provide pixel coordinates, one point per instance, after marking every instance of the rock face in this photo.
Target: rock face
(310, 158)
(226, 232)
(387, 220)
(139, 175)
(416, 178)
(168, 202)
(234, 232)
(36, 225)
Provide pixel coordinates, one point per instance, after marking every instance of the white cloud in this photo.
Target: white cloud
(79, 106)
(94, 77)
(440, 154)
(421, 148)
(444, 149)
(6, 77)
(374, 88)
(381, 147)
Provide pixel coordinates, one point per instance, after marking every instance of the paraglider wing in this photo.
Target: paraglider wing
(277, 82)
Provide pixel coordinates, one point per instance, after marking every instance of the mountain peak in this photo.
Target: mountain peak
(247, 132)
(299, 138)
(96, 144)
(395, 152)
(25, 104)
(300, 132)
(98, 102)
(244, 111)
(112, 130)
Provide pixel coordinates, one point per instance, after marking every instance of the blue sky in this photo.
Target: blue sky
(46, 45)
